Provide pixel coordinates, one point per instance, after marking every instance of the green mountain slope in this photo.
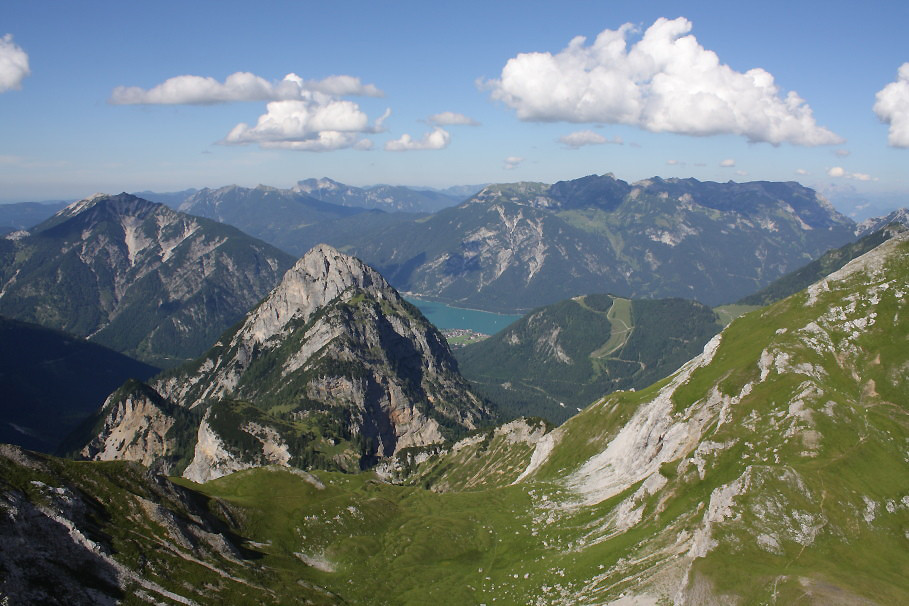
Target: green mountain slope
(52, 381)
(113, 533)
(559, 358)
(136, 276)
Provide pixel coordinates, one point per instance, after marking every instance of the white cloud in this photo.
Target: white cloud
(892, 107)
(842, 153)
(438, 138)
(801, 171)
(240, 86)
(452, 119)
(839, 172)
(314, 124)
(13, 64)
(675, 163)
(727, 163)
(665, 82)
(586, 137)
(305, 115)
(512, 162)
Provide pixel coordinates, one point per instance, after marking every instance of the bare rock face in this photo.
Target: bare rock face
(135, 427)
(333, 369)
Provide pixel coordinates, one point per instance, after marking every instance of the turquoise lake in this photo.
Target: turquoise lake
(444, 316)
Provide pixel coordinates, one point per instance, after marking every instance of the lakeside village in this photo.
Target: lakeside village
(459, 337)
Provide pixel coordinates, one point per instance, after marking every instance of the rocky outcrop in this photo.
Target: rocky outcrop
(136, 421)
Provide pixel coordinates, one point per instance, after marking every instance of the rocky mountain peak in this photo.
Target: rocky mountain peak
(319, 277)
(900, 217)
(98, 206)
(333, 369)
(310, 185)
(137, 276)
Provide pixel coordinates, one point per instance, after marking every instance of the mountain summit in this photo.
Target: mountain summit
(333, 369)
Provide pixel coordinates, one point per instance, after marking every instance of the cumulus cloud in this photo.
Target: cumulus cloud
(727, 163)
(801, 171)
(665, 82)
(452, 119)
(580, 138)
(240, 86)
(839, 172)
(892, 107)
(13, 64)
(512, 162)
(304, 115)
(438, 138)
(313, 124)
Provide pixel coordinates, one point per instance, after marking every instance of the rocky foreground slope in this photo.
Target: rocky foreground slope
(136, 276)
(333, 369)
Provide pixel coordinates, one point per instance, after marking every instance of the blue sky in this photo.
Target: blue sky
(443, 94)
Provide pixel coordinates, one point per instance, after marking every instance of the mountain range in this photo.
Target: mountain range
(391, 198)
(288, 219)
(136, 276)
(326, 448)
(770, 468)
(519, 246)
